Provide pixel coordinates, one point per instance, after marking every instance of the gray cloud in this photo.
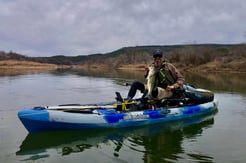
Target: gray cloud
(77, 27)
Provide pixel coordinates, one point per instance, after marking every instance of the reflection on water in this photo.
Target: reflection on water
(230, 82)
(24, 71)
(155, 142)
(113, 74)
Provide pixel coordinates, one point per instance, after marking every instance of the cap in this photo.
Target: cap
(157, 53)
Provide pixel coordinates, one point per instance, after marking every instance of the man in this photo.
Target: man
(167, 78)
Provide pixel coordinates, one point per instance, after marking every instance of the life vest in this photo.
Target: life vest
(163, 77)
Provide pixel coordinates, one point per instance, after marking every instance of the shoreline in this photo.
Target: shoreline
(14, 65)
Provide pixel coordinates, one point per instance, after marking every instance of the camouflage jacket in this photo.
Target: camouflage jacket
(168, 74)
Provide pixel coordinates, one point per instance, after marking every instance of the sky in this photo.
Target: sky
(82, 27)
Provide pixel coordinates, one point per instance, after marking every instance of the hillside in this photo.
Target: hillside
(204, 57)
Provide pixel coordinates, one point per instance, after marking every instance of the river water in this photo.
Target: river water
(219, 137)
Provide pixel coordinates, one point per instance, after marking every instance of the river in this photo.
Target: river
(219, 137)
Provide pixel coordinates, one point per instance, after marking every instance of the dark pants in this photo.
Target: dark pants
(134, 87)
(139, 86)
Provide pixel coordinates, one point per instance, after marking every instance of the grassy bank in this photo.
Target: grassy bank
(15, 64)
(235, 66)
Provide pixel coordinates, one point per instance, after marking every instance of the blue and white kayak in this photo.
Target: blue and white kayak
(80, 117)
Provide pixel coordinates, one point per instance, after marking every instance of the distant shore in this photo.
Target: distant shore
(210, 67)
(14, 64)
(29, 65)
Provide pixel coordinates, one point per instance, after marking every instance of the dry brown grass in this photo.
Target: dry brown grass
(133, 66)
(235, 66)
(92, 66)
(13, 67)
(214, 66)
(14, 64)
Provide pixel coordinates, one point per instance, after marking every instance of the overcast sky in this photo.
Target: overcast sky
(81, 27)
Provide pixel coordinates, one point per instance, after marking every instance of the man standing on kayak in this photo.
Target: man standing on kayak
(165, 80)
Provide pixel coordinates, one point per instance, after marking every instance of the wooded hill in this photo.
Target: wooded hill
(209, 57)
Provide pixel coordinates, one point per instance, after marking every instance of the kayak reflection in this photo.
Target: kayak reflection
(156, 142)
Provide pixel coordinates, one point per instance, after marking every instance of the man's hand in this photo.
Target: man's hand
(170, 87)
(146, 68)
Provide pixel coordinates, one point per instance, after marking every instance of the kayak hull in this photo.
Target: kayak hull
(61, 118)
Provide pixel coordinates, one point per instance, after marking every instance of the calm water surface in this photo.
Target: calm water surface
(219, 137)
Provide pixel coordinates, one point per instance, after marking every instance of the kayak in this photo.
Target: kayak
(116, 114)
(93, 138)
